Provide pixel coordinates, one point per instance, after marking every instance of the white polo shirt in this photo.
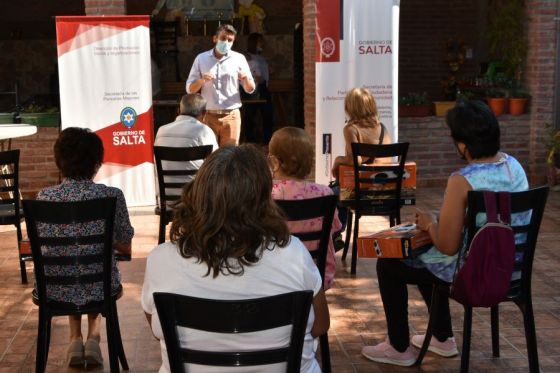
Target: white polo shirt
(223, 91)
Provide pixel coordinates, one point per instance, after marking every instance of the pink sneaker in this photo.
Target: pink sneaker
(385, 353)
(445, 349)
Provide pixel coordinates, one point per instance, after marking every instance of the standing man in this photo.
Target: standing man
(217, 74)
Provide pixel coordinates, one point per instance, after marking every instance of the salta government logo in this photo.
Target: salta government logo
(128, 117)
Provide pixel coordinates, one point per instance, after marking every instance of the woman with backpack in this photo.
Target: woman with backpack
(476, 134)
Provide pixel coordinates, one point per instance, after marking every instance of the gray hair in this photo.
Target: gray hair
(192, 104)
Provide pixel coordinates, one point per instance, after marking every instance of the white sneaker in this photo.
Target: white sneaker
(385, 353)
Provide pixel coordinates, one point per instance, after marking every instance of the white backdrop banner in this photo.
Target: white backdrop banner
(105, 85)
(356, 45)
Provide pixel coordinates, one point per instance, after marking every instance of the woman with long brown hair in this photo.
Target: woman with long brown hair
(229, 240)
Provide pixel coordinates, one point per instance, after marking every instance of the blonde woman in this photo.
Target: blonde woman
(362, 125)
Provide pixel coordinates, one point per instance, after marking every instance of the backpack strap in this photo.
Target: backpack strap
(382, 134)
(490, 204)
(505, 207)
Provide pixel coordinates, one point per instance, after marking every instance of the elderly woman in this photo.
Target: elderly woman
(229, 240)
(78, 155)
(291, 160)
(476, 134)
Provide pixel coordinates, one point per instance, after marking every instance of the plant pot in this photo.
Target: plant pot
(6, 118)
(41, 119)
(517, 105)
(442, 107)
(498, 105)
(415, 111)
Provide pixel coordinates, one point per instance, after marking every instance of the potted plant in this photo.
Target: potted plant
(415, 105)
(39, 115)
(6, 118)
(506, 34)
(518, 101)
(497, 101)
(553, 156)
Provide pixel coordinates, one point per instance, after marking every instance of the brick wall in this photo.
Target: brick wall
(309, 14)
(105, 7)
(434, 151)
(37, 167)
(424, 30)
(521, 136)
(540, 74)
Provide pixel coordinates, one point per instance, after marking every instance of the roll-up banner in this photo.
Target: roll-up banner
(105, 85)
(356, 45)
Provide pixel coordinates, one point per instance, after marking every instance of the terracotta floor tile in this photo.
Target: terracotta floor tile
(357, 316)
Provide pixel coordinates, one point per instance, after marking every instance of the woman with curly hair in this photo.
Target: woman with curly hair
(229, 240)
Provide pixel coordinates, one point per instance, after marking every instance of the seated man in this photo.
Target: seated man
(186, 131)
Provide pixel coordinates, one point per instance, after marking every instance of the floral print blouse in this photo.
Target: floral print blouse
(301, 189)
(79, 190)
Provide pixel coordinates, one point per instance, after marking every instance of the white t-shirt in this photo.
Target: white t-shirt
(279, 271)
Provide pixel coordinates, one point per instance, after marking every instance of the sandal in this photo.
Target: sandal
(75, 353)
(92, 353)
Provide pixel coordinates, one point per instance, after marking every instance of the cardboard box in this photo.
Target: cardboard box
(401, 241)
(346, 177)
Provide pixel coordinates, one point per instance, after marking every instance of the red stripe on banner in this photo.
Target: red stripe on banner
(327, 32)
(129, 146)
(68, 28)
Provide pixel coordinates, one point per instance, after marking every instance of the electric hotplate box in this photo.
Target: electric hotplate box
(401, 241)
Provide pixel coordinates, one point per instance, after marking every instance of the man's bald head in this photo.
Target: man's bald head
(192, 104)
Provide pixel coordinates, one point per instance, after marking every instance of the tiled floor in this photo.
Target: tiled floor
(357, 315)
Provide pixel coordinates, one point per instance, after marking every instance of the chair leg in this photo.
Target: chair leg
(355, 245)
(22, 267)
(42, 345)
(48, 339)
(325, 354)
(23, 271)
(430, 328)
(467, 327)
(348, 234)
(161, 236)
(530, 336)
(118, 338)
(111, 343)
(495, 323)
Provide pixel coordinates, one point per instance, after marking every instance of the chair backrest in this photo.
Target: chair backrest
(314, 208)
(9, 186)
(172, 178)
(233, 317)
(386, 182)
(529, 205)
(54, 224)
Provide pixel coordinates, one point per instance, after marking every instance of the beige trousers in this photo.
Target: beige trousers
(226, 126)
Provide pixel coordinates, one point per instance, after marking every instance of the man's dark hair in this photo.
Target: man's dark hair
(229, 29)
(474, 124)
(78, 153)
(192, 104)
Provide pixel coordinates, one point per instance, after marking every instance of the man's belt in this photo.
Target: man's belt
(220, 111)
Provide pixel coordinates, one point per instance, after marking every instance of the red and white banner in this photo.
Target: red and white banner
(105, 85)
(356, 46)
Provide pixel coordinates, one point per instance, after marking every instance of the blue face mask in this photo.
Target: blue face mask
(223, 46)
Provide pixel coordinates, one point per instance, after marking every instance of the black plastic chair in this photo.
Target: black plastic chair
(369, 201)
(168, 171)
(235, 316)
(533, 200)
(38, 213)
(10, 211)
(313, 208)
